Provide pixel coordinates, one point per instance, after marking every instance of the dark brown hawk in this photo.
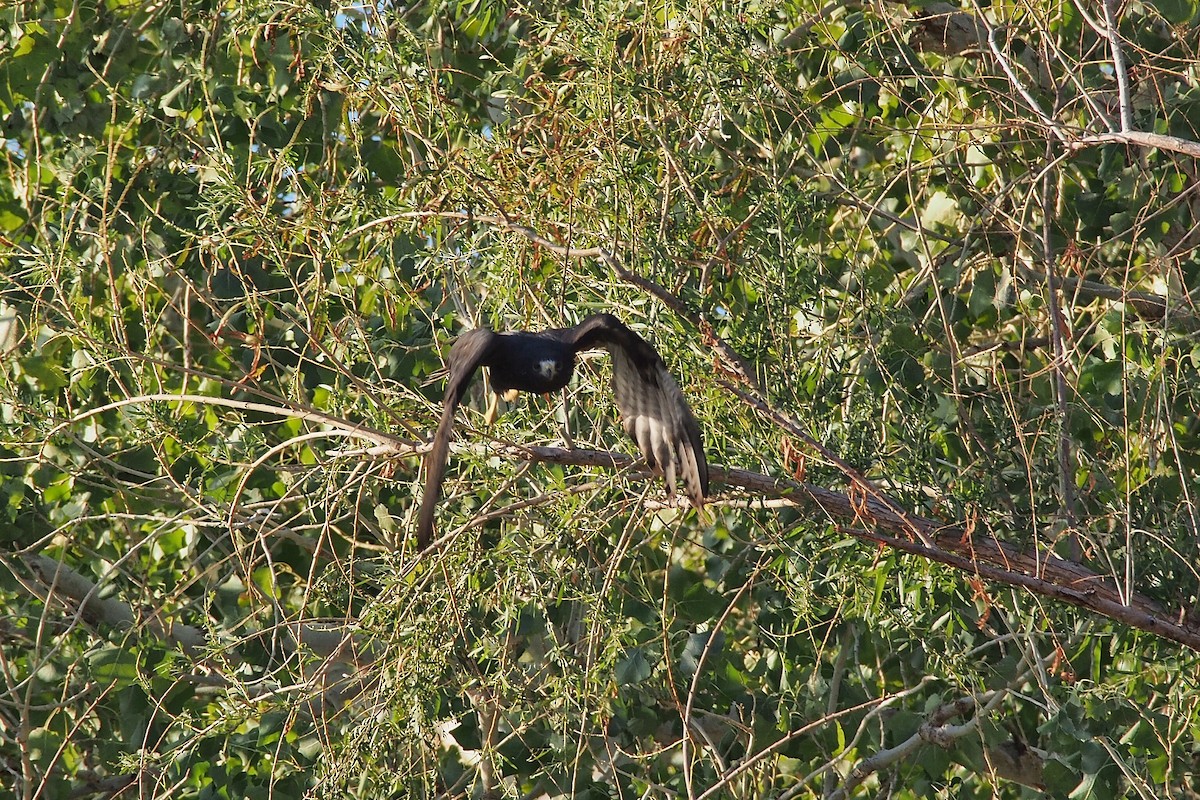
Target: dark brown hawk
(653, 410)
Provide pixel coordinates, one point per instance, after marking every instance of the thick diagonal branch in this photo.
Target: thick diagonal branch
(879, 522)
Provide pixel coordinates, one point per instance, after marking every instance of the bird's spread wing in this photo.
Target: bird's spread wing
(653, 410)
(469, 351)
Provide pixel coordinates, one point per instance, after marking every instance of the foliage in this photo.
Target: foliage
(237, 238)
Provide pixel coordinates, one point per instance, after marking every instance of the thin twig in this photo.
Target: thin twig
(1058, 327)
(1016, 82)
(933, 731)
(1118, 56)
(1159, 141)
(857, 479)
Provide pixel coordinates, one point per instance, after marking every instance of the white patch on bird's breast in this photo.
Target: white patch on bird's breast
(548, 368)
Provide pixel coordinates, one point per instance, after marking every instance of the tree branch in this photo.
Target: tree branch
(1058, 329)
(55, 580)
(1146, 304)
(934, 730)
(1140, 138)
(957, 545)
(953, 544)
(1118, 57)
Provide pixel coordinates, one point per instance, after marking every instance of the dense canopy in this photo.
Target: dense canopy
(926, 274)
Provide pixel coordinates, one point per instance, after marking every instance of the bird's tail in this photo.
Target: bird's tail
(435, 470)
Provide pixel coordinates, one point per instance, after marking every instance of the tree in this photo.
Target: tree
(926, 273)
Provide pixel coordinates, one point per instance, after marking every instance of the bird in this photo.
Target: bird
(653, 409)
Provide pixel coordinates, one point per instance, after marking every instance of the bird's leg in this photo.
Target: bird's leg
(493, 409)
(493, 400)
(566, 421)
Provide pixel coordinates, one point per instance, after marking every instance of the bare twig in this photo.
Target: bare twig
(1118, 57)
(1017, 83)
(1058, 329)
(1146, 304)
(311, 415)
(1126, 134)
(694, 686)
(935, 730)
(872, 708)
(1140, 138)
(857, 479)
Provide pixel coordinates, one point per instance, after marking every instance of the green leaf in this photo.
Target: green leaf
(12, 217)
(697, 643)
(1159, 768)
(47, 375)
(116, 665)
(44, 745)
(633, 668)
(59, 490)
(1059, 778)
(1177, 12)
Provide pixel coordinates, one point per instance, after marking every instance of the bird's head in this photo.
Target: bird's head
(547, 368)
